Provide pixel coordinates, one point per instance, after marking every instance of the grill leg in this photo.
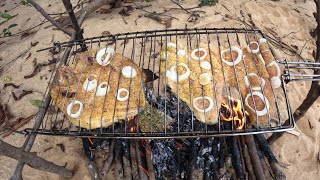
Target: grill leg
(87, 147)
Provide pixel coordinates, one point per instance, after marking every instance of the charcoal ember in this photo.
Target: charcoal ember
(164, 158)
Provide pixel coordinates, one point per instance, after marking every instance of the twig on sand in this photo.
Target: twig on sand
(44, 14)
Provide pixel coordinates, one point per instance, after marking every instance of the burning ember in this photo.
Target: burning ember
(233, 113)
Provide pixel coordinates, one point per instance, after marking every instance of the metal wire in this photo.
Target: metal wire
(143, 52)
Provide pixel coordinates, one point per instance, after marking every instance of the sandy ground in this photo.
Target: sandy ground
(300, 155)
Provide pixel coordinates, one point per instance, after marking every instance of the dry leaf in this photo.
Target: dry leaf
(105, 10)
(26, 34)
(34, 43)
(61, 146)
(126, 10)
(105, 33)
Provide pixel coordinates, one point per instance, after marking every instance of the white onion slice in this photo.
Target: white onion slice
(90, 85)
(261, 59)
(239, 58)
(275, 82)
(253, 51)
(102, 91)
(193, 54)
(257, 88)
(119, 98)
(101, 53)
(129, 72)
(70, 107)
(170, 44)
(173, 76)
(181, 52)
(204, 79)
(264, 99)
(262, 40)
(205, 65)
(203, 98)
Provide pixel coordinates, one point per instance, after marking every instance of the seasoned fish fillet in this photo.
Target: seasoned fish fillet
(104, 104)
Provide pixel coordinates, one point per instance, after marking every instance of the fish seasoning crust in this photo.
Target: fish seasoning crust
(96, 88)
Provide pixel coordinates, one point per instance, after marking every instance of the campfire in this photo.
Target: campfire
(238, 157)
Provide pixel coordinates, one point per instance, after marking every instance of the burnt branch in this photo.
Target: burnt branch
(134, 163)
(33, 160)
(108, 162)
(314, 91)
(44, 14)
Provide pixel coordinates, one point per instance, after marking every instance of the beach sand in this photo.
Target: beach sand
(292, 21)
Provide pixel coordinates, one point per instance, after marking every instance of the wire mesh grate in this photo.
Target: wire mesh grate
(157, 103)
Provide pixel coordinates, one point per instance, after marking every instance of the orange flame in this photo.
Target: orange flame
(133, 128)
(234, 113)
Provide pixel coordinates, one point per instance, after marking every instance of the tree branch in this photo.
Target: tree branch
(33, 160)
(44, 14)
(314, 91)
(31, 138)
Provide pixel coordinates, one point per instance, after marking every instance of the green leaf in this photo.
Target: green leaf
(36, 102)
(7, 16)
(12, 25)
(24, 2)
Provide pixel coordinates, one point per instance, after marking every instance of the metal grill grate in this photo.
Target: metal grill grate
(165, 107)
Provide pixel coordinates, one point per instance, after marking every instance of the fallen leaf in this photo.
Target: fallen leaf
(105, 33)
(2, 115)
(61, 146)
(7, 78)
(126, 10)
(36, 102)
(105, 11)
(26, 34)
(11, 84)
(34, 43)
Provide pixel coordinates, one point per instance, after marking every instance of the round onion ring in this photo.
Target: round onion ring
(90, 85)
(204, 79)
(205, 65)
(193, 54)
(253, 51)
(173, 76)
(181, 52)
(70, 107)
(129, 72)
(247, 82)
(102, 91)
(101, 53)
(203, 110)
(119, 98)
(273, 63)
(275, 82)
(263, 98)
(239, 58)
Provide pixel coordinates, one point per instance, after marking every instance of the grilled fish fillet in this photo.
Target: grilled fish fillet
(98, 111)
(258, 97)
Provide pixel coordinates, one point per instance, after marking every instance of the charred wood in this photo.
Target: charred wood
(93, 170)
(236, 157)
(118, 160)
(134, 163)
(149, 161)
(267, 151)
(127, 174)
(108, 162)
(142, 167)
(254, 157)
(247, 160)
